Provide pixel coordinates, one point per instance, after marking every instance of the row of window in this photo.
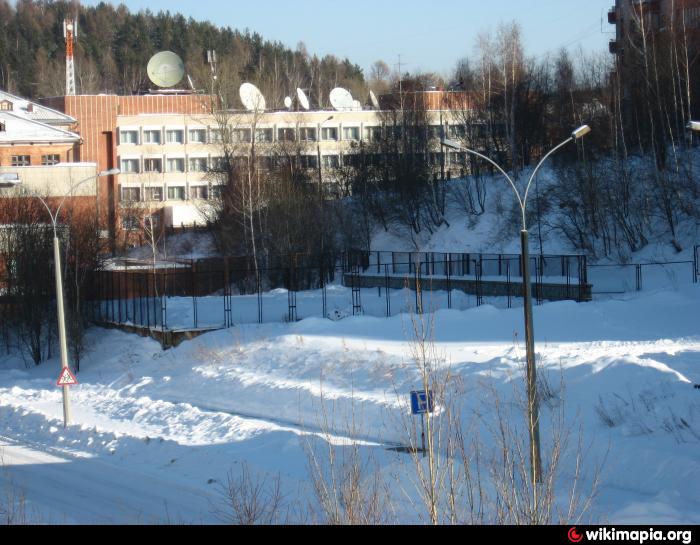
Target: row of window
(267, 135)
(26, 160)
(204, 164)
(174, 193)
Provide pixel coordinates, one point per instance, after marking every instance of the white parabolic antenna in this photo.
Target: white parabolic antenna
(288, 103)
(165, 69)
(341, 99)
(303, 99)
(373, 100)
(357, 105)
(251, 97)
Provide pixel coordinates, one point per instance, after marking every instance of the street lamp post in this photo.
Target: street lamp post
(59, 283)
(532, 402)
(321, 205)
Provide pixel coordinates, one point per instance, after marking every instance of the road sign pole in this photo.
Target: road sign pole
(422, 432)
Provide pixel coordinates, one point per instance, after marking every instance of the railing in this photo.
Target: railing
(221, 292)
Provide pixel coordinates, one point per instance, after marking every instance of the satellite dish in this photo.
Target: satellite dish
(288, 103)
(165, 69)
(341, 99)
(303, 99)
(357, 105)
(251, 97)
(373, 100)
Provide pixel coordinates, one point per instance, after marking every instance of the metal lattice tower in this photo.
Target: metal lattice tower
(70, 33)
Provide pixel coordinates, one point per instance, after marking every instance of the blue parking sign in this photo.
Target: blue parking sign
(422, 402)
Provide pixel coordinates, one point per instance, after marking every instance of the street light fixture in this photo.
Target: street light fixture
(694, 126)
(533, 408)
(59, 281)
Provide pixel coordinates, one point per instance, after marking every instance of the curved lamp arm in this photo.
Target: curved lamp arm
(575, 135)
(455, 145)
(54, 216)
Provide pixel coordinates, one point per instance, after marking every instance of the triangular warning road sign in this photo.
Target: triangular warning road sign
(67, 378)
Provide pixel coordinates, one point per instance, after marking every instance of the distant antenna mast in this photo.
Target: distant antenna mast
(211, 61)
(70, 33)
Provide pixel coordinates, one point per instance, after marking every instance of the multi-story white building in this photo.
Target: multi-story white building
(166, 160)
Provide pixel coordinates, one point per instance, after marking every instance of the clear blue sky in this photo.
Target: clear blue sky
(429, 35)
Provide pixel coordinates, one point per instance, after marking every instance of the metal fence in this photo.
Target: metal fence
(611, 279)
(218, 293)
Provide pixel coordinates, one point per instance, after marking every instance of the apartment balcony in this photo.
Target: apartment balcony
(614, 47)
(612, 16)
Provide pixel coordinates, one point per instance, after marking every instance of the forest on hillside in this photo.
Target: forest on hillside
(114, 46)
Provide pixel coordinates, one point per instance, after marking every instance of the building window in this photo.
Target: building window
(130, 166)
(457, 131)
(458, 158)
(6, 106)
(216, 191)
(198, 136)
(351, 133)
(2, 127)
(151, 137)
(263, 135)
(21, 161)
(176, 165)
(198, 164)
(286, 135)
(307, 134)
(373, 134)
(435, 132)
(153, 193)
(241, 135)
(394, 132)
(176, 193)
(329, 133)
(218, 164)
(175, 136)
(216, 136)
(48, 160)
(435, 159)
(153, 165)
(199, 192)
(128, 137)
(131, 194)
(308, 161)
(151, 223)
(331, 161)
(130, 223)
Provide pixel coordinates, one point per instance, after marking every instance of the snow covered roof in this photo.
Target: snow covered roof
(35, 112)
(17, 129)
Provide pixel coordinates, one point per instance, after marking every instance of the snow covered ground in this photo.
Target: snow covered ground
(155, 433)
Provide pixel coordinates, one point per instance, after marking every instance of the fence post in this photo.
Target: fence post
(228, 318)
(639, 277)
(696, 264)
(448, 273)
(323, 291)
(478, 271)
(508, 286)
(193, 271)
(260, 300)
(386, 291)
(164, 302)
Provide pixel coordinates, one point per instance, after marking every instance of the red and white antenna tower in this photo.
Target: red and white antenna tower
(70, 33)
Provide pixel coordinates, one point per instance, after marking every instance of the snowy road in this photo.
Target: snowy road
(62, 489)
